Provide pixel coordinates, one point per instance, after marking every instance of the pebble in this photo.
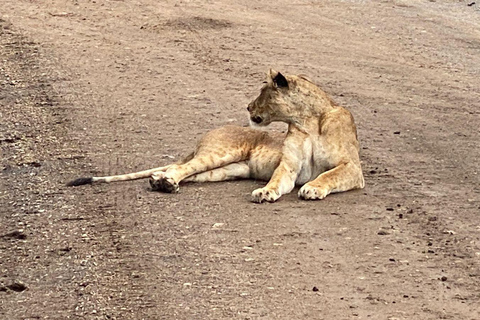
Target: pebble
(449, 232)
(217, 225)
(17, 286)
(17, 234)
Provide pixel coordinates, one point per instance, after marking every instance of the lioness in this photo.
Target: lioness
(319, 151)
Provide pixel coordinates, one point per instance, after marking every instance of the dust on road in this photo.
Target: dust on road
(106, 87)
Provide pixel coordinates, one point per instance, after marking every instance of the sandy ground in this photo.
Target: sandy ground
(101, 87)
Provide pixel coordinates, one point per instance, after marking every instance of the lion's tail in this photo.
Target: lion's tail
(121, 177)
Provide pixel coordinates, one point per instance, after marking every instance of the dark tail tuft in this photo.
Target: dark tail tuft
(80, 181)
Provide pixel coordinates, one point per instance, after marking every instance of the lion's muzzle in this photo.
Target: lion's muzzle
(256, 119)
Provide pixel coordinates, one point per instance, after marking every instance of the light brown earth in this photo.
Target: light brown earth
(102, 87)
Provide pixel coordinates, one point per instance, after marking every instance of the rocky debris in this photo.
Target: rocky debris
(17, 234)
(17, 286)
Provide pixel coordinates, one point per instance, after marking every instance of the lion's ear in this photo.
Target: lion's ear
(270, 75)
(278, 79)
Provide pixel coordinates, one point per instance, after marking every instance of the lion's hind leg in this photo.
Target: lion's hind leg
(239, 170)
(205, 165)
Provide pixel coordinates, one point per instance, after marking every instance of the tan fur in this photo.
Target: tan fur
(319, 151)
(321, 148)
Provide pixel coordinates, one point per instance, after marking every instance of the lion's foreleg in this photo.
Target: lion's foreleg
(282, 182)
(344, 177)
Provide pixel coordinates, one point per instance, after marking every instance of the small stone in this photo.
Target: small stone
(35, 164)
(17, 234)
(382, 233)
(443, 278)
(315, 289)
(17, 286)
(217, 225)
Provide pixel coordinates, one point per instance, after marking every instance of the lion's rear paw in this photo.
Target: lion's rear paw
(163, 184)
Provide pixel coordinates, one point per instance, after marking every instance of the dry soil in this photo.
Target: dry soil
(102, 87)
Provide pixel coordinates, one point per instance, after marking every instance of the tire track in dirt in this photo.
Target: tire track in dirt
(41, 230)
(152, 255)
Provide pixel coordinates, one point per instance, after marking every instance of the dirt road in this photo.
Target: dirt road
(101, 87)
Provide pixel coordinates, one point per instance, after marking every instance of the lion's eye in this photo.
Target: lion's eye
(264, 81)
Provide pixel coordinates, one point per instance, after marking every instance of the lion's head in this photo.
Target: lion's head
(265, 108)
(288, 99)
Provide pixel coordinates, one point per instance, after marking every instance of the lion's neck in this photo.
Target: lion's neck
(319, 107)
(309, 112)
(307, 125)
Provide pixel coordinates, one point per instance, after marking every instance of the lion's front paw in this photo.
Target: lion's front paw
(263, 194)
(159, 182)
(312, 193)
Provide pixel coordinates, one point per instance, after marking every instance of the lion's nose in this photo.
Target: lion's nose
(257, 119)
(249, 108)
